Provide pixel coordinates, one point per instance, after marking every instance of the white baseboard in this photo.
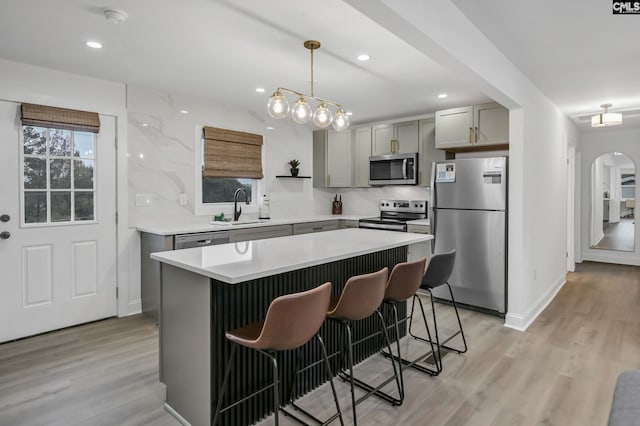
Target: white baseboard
(175, 414)
(133, 307)
(606, 256)
(522, 322)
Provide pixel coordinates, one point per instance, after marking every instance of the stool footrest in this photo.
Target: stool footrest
(373, 390)
(308, 414)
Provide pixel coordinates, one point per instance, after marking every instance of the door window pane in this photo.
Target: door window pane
(60, 206)
(84, 206)
(83, 174)
(60, 144)
(60, 174)
(35, 140)
(35, 207)
(35, 173)
(83, 144)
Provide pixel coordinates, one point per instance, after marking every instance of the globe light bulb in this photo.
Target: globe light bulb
(278, 107)
(322, 117)
(301, 112)
(341, 120)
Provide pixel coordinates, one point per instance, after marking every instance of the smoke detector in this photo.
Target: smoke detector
(115, 15)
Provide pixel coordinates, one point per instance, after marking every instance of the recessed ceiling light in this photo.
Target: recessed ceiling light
(269, 128)
(260, 89)
(442, 95)
(349, 113)
(145, 124)
(141, 156)
(94, 44)
(364, 57)
(184, 111)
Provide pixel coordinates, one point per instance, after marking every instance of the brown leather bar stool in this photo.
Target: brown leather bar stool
(291, 321)
(361, 298)
(438, 272)
(404, 281)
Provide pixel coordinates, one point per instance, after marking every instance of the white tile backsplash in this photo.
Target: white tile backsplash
(161, 161)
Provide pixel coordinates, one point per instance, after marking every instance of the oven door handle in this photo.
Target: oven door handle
(404, 169)
(401, 228)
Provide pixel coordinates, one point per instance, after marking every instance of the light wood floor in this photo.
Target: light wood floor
(559, 372)
(618, 235)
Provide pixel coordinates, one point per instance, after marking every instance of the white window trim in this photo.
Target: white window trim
(48, 190)
(204, 209)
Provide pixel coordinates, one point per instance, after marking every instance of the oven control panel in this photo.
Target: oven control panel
(406, 206)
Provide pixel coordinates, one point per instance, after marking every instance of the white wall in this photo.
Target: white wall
(591, 145)
(538, 133)
(27, 83)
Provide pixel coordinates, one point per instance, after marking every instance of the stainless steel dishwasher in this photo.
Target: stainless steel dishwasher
(201, 239)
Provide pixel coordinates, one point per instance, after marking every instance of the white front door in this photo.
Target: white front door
(57, 226)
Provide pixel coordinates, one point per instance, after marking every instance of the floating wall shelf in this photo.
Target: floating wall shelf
(293, 177)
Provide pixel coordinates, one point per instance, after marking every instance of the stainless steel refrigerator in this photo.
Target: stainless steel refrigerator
(469, 214)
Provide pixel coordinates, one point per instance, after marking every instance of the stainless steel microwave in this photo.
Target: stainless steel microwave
(393, 169)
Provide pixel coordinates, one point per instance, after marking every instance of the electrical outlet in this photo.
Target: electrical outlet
(143, 200)
(183, 199)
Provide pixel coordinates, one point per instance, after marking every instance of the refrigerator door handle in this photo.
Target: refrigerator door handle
(432, 204)
(404, 169)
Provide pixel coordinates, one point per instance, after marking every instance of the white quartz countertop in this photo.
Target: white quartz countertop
(237, 262)
(162, 228)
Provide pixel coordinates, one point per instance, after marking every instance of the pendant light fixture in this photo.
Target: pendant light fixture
(278, 107)
(607, 118)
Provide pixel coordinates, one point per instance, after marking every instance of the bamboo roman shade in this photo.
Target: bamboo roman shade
(228, 153)
(60, 118)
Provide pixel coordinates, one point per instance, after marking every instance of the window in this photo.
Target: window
(221, 190)
(58, 168)
(229, 160)
(628, 185)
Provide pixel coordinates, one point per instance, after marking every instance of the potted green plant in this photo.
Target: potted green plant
(294, 167)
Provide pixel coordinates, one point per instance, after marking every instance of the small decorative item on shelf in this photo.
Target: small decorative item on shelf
(336, 206)
(294, 167)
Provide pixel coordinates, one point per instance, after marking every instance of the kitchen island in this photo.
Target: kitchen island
(206, 291)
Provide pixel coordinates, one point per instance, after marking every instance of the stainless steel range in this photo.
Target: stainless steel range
(394, 215)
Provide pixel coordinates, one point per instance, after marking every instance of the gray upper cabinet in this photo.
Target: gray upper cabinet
(394, 138)
(472, 127)
(427, 152)
(381, 137)
(361, 154)
(491, 124)
(406, 136)
(332, 159)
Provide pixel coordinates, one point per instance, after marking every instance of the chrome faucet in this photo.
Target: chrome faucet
(237, 212)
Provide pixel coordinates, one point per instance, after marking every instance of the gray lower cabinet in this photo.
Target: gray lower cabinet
(419, 250)
(260, 233)
(309, 227)
(150, 271)
(344, 223)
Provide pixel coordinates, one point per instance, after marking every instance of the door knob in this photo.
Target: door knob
(5, 235)
(5, 218)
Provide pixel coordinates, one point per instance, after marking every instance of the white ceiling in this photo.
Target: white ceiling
(575, 51)
(223, 50)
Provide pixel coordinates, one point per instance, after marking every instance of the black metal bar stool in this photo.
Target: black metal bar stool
(361, 298)
(404, 281)
(291, 321)
(438, 272)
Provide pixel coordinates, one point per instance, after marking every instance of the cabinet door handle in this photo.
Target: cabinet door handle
(470, 137)
(317, 228)
(476, 133)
